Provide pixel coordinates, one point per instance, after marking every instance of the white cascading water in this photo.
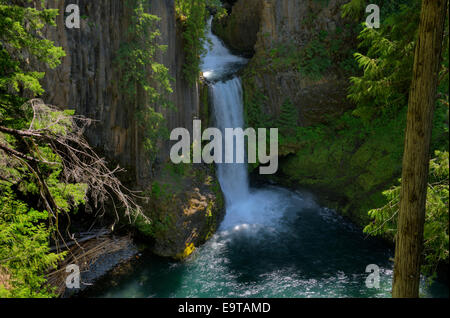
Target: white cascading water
(218, 64)
(244, 207)
(228, 113)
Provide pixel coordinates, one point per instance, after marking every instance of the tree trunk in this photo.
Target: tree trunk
(416, 158)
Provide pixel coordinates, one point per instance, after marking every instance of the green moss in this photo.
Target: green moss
(191, 17)
(351, 160)
(183, 201)
(325, 52)
(227, 28)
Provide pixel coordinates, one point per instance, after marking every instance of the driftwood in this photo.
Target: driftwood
(83, 237)
(84, 254)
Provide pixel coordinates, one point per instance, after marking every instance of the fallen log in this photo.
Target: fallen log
(83, 237)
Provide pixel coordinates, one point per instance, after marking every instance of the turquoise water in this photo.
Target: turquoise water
(307, 251)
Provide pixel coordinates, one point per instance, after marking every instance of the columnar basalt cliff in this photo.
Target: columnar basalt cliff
(281, 34)
(88, 81)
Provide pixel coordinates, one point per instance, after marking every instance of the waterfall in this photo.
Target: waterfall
(218, 63)
(218, 67)
(228, 113)
(245, 209)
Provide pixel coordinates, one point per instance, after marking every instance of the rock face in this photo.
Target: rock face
(186, 206)
(88, 81)
(290, 38)
(275, 21)
(297, 21)
(239, 30)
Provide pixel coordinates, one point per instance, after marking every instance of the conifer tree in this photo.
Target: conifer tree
(288, 119)
(416, 159)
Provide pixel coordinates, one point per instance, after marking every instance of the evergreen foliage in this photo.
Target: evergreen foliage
(288, 119)
(436, 220)
(47, 169)
(24, 251)
(360, 153)
(22, 43)
(386, 57)
(26, 229)
(192, 16)
(287, 124)
(142, 74)
(383, 90)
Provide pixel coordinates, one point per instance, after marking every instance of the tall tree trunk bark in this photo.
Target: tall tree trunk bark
(136, 134)
(416, 158)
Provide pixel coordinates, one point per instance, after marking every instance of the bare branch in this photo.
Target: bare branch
(64, 134)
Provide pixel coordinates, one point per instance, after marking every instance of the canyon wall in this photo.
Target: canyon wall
(88, 79)
(278, 32)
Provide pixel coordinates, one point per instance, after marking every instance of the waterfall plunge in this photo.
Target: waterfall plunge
(228, 113)
(219, 64)
(245, 208)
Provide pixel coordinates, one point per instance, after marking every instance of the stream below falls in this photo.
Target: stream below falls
(273, 242)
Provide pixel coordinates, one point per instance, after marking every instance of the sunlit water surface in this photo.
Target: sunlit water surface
(285, 245)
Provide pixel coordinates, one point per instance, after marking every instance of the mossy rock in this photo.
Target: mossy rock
(186, 206)
(239, 29)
